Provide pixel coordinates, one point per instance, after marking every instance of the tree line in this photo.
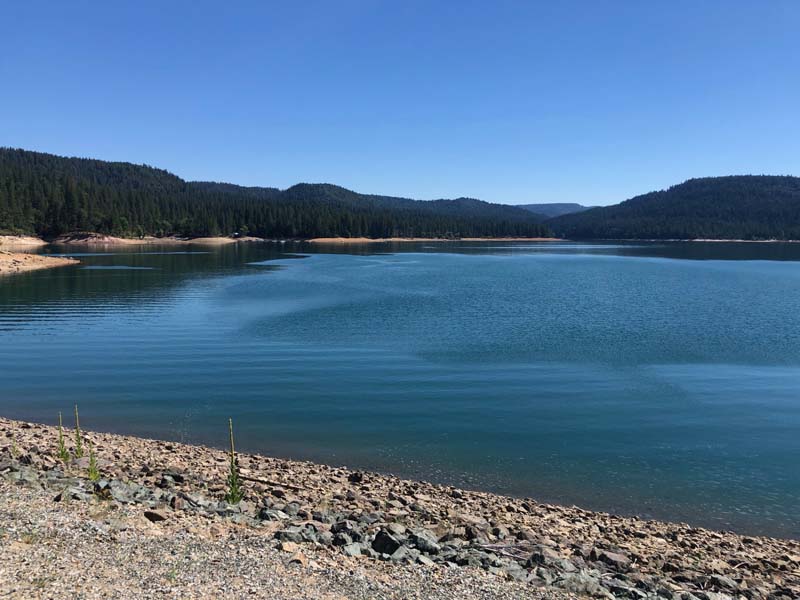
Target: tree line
(49, 195)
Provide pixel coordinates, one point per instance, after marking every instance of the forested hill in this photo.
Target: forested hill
(49, 195)
(749, 207)
(554, 209)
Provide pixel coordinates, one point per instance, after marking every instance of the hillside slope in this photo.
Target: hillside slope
(749, 207)
(554, 209)
(49, 195)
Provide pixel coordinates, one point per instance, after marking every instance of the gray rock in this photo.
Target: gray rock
(341, 538)
(424, 560)
(290, 534)
(325, 538)
(404, 554)
(543, 555)
(614, 559)
(583, 583)
(356, 477)
(354, 549)
(266, 514)
(345, 526)
(385, 543)
(425, 541)
(716, 596)
(396, 529)
(725, 583)
(176, 476)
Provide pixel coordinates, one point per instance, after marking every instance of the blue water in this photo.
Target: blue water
(654, 379)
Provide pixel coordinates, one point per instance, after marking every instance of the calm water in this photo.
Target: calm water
(660, 380)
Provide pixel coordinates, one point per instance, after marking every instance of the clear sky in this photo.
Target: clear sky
(514, 102)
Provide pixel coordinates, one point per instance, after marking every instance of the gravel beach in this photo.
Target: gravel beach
(154, 523)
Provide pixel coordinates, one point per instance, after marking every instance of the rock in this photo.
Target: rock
(354, 549)
(343, 526)
(424, 560)
(176, 476)
(404, 554)
(80, 463)
(513, 571)
(542, 555)
(723, 582)
(298, 558)
(614, 559)
(341, 539)
(396, 529)
(291, 534)
(155, 516)
(385, 543)
(425, 541)
(288, 546)
(715, 596)
(583, 583)
(357, 477)
(266, 514)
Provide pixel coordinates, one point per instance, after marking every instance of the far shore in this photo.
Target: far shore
(27, 243)
(365, 240)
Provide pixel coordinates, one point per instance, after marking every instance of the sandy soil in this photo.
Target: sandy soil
(364, 240)
(21, 262)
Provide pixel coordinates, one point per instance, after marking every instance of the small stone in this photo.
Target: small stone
(298, 558)
(289, 546)
(424, 560)
(354, 549)
(155, 516)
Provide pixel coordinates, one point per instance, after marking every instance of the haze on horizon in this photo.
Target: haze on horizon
(513, 102)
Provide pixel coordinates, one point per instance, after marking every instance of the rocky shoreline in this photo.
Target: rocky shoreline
(415, 539)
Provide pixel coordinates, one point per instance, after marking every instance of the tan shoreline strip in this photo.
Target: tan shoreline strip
(21, 262)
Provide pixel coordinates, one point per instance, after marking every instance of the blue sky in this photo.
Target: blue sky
(510, 102)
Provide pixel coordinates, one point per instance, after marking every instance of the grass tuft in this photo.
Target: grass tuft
(235, 492)
(94, 472)
(63, 453)
(78, 437)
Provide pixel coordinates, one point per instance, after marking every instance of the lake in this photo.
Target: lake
(654, 379)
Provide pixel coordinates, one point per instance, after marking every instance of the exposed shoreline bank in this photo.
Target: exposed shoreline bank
(96, 239)
(12, 263)
(379, 522)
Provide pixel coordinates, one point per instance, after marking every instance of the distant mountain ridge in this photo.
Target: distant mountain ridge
(748, 207)
(554, 209)
(49, 195)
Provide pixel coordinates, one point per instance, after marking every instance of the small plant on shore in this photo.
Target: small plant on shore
(14, 448)
(63, 453)
(78, 440)
(94, 472)
(235, 492)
